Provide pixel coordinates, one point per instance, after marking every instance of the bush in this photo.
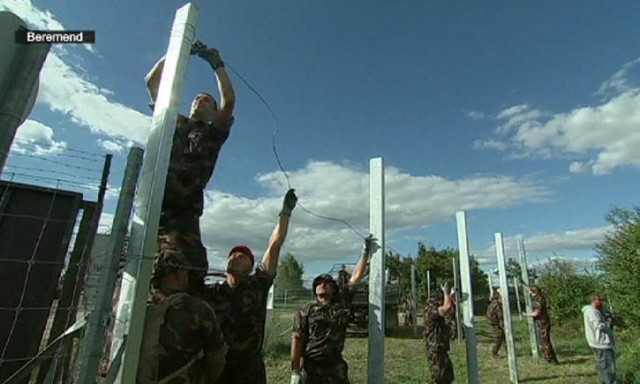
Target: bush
(566, 290)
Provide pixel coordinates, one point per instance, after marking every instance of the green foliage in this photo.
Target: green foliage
(620, 260)
(566, 290)
(440, 266)
(289, 275)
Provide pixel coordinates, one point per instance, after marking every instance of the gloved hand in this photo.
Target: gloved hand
(295, 377)
(290, 200)
(210, 55)
(370, 245)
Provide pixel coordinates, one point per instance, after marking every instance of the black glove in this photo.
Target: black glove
(210, 55)
(290, 200)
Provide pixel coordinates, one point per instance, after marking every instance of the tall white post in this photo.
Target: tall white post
(533, 332)
(467, 298)
(144, 229)
(504, 292)
(516, 284)
(376, 273)
(490, 283)
(456, 283)
(414, 298)
(428, 283)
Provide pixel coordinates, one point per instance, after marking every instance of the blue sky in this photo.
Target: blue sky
(524, 114)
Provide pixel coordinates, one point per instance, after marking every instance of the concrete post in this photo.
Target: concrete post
(467, 298)
(506, 310)
(376, 273)
(456, 282)
(144, 230)
(414, 297)
(533, 332)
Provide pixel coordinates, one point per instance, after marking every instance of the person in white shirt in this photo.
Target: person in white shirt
(598, 330)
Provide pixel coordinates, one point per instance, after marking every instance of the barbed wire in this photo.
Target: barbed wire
(41, 158)
(50, 171)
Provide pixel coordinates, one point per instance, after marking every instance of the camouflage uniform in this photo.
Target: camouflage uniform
(452, 322)
(543, 323)
(195, 150)
(242, 312)
(190, 326)
(496, 320)
(322, 328)
(437, 338)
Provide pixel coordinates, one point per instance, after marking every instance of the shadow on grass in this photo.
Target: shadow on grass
(543, 378)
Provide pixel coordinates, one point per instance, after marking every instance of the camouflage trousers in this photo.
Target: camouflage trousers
(246, 371)
(334, 372)
(441, 367)
(179, 237)
(498, 339)
(544, 333)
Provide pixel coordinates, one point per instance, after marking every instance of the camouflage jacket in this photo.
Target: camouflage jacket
(494, 313)
(322, 327)
(242, 312)
(540, 304)
(194, 153)
(190, 327)
(436, 333)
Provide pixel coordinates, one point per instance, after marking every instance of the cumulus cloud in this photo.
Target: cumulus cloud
(490, 144)
(36, 138)
(104, 224)
(602, 137)
(64, 89)
(412, 201)
(571, 240)
(475, 115)
(111, 146)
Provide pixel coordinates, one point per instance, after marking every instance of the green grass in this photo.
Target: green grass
(405, 361)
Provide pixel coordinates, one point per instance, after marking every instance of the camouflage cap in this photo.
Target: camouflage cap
(325, 277)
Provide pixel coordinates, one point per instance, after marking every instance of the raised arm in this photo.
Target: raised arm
(448, 301)
(359, 271)
(272, 254)
(152, 79)
(227, 93)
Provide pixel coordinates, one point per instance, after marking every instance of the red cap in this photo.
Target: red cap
(243, 249)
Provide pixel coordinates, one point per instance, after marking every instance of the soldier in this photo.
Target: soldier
(496, 320)
(196, 144)
(437, 336)
(408, 311)
(541, 316)
(320, 328)
(240, 303)
(182, 341)
(343, 277)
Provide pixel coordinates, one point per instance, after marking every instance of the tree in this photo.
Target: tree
(289, 275)
(565, 289)
(619, 258)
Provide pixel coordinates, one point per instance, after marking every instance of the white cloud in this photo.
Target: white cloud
(112, 193)
(104, 224)
(475, 115)
(619, 82)
(36, 138)
(602, 137)
(571, 240)
(490, 144)
(64, 89)
(111, 146)
(411, 202)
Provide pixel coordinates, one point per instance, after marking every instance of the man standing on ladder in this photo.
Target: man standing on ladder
(196, 145)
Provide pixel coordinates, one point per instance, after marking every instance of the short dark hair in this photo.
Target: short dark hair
(596, 295)
(210, 96)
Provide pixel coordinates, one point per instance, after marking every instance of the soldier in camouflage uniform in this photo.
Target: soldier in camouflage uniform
(543, 322)
(496, 320)
(437, 336)
(186, 345)
(320, 328)
(240, 303)
(197, 141)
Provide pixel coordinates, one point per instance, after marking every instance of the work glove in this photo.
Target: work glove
(295, 377)
(370, 245)
(210, 55)
(290, 200)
